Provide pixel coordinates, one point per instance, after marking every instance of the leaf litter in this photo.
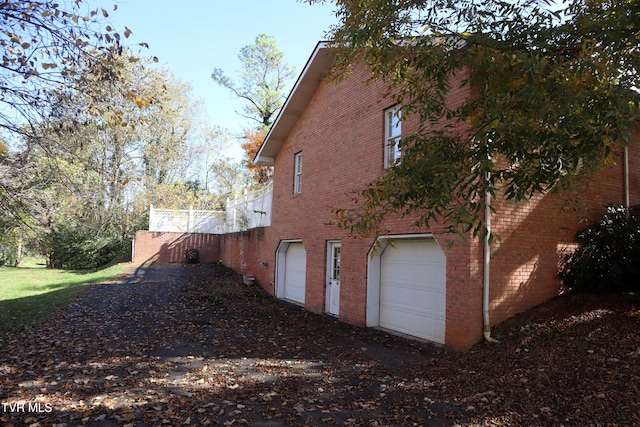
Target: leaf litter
(193, 345)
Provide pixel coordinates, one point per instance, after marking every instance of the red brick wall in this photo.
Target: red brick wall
(536, 234)
(340, 135)
(251, 252)
(335, 134)
(165, 247)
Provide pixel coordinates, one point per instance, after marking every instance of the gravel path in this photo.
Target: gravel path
(191, 345)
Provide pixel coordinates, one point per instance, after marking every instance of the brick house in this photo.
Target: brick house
(334, 137)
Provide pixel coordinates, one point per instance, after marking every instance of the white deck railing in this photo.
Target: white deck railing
(251, 210)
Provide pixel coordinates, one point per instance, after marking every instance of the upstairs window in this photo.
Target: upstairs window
(393, 130)
(297, 177)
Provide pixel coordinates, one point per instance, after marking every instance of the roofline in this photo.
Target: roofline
(318, 64)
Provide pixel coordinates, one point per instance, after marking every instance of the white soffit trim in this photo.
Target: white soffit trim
(315, 69)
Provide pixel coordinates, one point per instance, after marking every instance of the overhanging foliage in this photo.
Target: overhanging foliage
(552, 98)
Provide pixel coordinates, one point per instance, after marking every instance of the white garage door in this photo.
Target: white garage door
(295, 272)
(413, 289)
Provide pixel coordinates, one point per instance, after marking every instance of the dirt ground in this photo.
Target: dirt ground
(192, 345)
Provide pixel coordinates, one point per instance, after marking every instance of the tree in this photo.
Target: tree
(103, 164)
(262, 81)
(93, 133)
(44, 46)
(172, 125)
(96, 138)
(18, 186)
(229, 178)
(254, 140)
(554, 95)
(181, 153)
(210, 149)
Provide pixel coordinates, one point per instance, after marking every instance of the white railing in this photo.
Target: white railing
(187, 221)
(251, 210)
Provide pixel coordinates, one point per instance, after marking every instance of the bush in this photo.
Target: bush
(608, 258)
(8, 252)
(81, 248)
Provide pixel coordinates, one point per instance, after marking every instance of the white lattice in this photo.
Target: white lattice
(250, 210)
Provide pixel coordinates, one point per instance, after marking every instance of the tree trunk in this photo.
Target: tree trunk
(51, 261)
(18, 254)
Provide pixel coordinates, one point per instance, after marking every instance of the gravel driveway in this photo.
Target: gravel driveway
(191, 345)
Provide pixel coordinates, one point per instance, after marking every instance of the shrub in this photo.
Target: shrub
(608, 258)
(79, 248)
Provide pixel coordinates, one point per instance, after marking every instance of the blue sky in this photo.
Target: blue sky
(193, 37)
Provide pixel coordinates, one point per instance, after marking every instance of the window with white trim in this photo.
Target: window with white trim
(392, 136)
(297, 178)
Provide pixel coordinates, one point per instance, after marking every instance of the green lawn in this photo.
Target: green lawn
(31, 292)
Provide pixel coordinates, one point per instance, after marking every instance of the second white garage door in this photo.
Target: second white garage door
(295, 273)
(413, 289)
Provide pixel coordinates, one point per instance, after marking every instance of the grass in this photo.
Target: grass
(31, 293)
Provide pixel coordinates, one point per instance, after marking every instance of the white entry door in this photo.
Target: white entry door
(333, 278)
